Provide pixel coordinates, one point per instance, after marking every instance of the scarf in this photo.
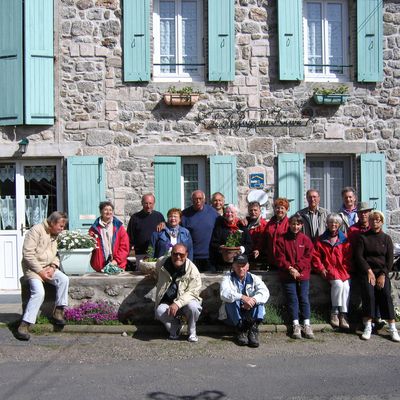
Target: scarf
(233, 226)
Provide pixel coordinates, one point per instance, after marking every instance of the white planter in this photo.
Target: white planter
(76, 262)
(146, 267)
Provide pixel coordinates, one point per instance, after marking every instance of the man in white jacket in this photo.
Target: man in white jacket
(244, 296)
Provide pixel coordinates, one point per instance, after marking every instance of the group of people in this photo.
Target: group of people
(340, 246)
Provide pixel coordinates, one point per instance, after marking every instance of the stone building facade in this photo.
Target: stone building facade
(254, 118)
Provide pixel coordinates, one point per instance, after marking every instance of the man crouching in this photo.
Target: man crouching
(178, 293)
(244, 296)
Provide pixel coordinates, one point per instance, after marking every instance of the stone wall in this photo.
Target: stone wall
(129, 123)
(135, 294)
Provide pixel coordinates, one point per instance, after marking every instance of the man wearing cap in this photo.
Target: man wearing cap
(362, 225)
(244, 296)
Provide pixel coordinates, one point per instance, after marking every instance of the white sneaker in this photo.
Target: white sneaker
(367, 333)
(394, 335)
(193, 338)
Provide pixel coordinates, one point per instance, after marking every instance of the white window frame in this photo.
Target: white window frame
(326, 76)
(347, 181)
(179, 76)
(201, 167)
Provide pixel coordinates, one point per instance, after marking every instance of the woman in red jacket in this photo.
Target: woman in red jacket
(277, 226)
(293, 256)
(112, 240)
(332, 259)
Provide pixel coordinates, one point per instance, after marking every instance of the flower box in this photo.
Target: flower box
(229, 253)
(330, 99)
(178, 99)
(76, 261)
(147, 267)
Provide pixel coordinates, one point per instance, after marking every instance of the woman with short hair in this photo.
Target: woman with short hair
(374, 257)
(277, 226)
(112, 241)
(332, 259)
(172, 234)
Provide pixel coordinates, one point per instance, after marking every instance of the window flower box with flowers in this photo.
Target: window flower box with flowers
(331, 96)
(75, 249)
(180, 97)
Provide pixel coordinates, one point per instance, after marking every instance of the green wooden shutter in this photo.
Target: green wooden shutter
(370, 40)
(86, 188)
(221, 40)
(290, 37)
(167, 183)
(373, 180)
(39, 62)
(11, 67)
(223, 177)
(291, 179)
(136, 30)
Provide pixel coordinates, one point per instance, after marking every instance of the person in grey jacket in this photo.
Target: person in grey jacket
(314, 216)
(178, 292)
(244, 296)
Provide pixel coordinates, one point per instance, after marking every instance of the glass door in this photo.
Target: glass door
(29, 192)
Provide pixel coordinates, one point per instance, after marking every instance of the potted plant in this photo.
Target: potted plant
(331, 96)
(75, 249)
(232, 246)
(180, 97)
(148, 264)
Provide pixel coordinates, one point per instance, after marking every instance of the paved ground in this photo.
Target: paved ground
(334, 366)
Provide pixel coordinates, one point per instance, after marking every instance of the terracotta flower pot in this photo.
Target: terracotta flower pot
(229, 253)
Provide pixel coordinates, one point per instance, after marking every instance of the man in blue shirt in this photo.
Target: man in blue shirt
(200, 219)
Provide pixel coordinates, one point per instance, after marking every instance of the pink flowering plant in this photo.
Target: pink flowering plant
(98, 312)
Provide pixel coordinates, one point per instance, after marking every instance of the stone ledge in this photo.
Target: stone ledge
(134, 294)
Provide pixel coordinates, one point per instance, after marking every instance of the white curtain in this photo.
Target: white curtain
(7, 213)
(36, 208)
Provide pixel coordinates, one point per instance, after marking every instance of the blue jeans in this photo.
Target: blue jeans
(236, 314)
(297, 298)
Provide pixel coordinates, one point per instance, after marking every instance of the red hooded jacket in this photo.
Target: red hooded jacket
(273, 231)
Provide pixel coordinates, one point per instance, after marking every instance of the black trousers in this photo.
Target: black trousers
(374, 298)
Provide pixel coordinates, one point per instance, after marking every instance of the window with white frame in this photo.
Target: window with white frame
(178, 40)
(193, 178)
(326, 40)
(329, 176)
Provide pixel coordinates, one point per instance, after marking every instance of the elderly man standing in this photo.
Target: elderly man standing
(244, 296)
(348, 212)
(40, 264)
(200, 219)
(178, 293)
(314, 216)
(142, 224)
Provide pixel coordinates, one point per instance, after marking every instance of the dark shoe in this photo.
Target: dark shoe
(23, 331)
(253, 336)
(58, 316)
(241, 338)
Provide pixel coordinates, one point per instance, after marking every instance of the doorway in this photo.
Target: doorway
(29, 192)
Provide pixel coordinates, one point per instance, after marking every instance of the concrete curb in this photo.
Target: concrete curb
(158, 329)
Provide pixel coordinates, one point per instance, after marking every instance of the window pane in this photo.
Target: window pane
(7, 197)
(314, 28)
(317, 178)
(40, 193)
(167, 36)
(335, 34)
(189, 34)
(336, 182)
(190, 181)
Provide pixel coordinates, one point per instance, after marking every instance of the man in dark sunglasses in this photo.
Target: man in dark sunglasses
(178, 293)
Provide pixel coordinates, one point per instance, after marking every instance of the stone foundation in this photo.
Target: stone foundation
(134, 294)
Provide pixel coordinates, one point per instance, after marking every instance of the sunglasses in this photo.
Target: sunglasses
(179, 254)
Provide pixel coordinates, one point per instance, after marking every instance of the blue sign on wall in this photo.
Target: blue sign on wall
(256, 181)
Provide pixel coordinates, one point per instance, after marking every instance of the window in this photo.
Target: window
(193, 178)
(178, 40)
(325, 40)
(329, 177)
